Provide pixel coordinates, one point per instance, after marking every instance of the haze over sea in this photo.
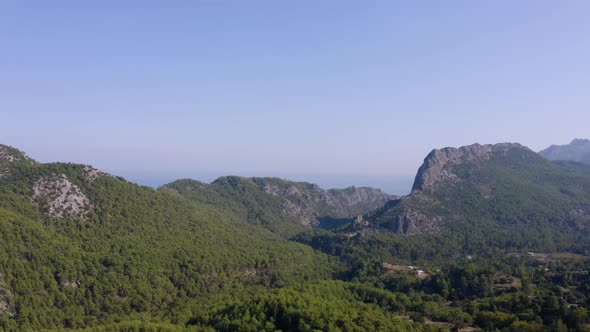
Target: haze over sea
(335, 92)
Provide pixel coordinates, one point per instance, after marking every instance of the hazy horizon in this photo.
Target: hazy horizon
(396, 184)
(338, 93)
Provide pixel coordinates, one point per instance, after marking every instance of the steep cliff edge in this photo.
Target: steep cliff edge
(439, 164)
(501, 187)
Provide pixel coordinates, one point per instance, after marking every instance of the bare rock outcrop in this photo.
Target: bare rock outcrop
(438, 165)
(360, 226)
(69, 283)
(92, 173)
(276, 200)
(309, 203)
(8, 154)
(60, 196)
(424, 211)
(297, 202)
(412, 222)
(407, 216)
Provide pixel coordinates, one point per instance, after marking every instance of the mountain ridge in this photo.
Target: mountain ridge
(80, 247)
(454, 187)
(577, 150)
(434, 167)
(84, 250)
(279, 203)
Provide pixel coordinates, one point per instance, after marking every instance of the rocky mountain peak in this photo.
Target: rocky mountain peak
(578, 150)
(452, 181)
(437, 166)
(9, 156)
(580, 141)
(92, 173)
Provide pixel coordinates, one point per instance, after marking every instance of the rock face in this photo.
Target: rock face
(424, 211)
(92, 173)
(358, 200)
(60, 196)
(309, 202)
(578, 150)
(69, 283)
(412, 222)
(410, 215)
(438, 165)
(10, 154)
(276, 200)
(54, 193)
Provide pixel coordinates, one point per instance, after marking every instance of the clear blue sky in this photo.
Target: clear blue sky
(336, 92)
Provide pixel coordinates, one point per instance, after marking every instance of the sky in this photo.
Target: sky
(334, 92)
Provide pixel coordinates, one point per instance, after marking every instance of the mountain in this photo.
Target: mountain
(578, 150)
(283, 206)
(83, 250)
(473, 199)
(10, 156)
(81, 247)
(491, 229)
(503, 194)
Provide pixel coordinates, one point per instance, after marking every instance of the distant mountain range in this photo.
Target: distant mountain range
(85, 249)
(578, 150)
(481, 196)
(283, 206)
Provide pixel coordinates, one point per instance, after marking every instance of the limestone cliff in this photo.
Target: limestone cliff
(438, 165)
(444, 175)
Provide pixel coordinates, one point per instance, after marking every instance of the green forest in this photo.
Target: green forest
(124, 257)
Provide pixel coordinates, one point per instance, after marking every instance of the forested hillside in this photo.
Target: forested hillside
(477, 199)
(505, 248)
(285, 207)
(80, 247)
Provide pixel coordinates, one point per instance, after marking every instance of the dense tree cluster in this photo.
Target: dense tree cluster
(140, 259)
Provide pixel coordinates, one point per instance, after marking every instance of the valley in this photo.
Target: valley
(492, 237)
